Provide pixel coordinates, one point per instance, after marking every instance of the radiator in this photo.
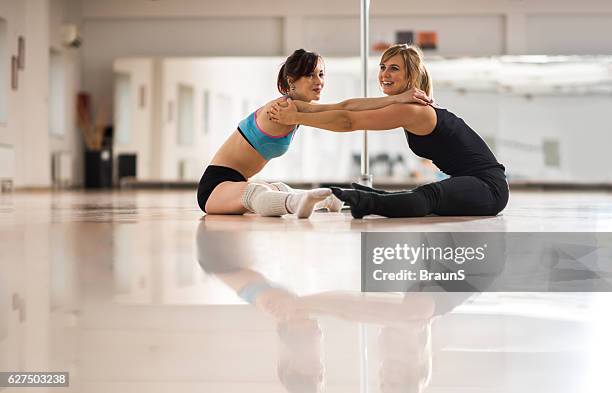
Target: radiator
(61, 169)
(188, 170)
(7, 167)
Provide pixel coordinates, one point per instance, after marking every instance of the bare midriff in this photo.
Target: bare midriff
(236, 153)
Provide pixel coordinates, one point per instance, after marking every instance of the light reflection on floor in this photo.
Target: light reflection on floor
(135, 292)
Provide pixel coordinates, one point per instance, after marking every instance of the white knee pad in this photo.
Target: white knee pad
(249, 193)
(259, 199)
(283, 187)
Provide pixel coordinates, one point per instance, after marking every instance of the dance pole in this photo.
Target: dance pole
(366, 177)
(364, 381)
(364, 180)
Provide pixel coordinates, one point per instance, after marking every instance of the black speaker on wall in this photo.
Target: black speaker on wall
(404, 37)
(98, 168)
(127, 165)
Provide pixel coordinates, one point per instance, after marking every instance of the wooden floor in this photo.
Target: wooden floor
(526, 211)
(137, 291)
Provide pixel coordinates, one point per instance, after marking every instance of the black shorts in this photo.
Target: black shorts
(212, 177)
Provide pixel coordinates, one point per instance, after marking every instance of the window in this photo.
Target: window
(185, 115)
(57, 94)
(123, 108)
(4, 70)
(205, 112)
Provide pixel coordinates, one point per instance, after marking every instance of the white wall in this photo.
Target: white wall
(107, 40)
(139, 138)
(339, 36)
(118, 29)
(516, 104)
(583, 34)
(11, 130)
(115, 28)
(25, 134)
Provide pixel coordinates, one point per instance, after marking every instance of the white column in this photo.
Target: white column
(34, 81)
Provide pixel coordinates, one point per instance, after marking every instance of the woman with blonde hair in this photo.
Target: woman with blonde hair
(477, 185)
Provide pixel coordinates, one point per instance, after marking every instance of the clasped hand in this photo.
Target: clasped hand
(284, 112)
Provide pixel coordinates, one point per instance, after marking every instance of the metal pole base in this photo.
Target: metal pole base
(365, 180)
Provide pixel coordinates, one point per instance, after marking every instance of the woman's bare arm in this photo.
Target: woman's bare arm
(362, 104)
(418, 119)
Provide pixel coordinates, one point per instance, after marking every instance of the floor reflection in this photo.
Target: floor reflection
(133, 293)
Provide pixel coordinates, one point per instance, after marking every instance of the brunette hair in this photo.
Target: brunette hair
(299, 64)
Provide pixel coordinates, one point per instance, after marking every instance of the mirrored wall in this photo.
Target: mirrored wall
(543, 116)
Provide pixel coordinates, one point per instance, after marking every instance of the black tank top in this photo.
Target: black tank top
(453, 146)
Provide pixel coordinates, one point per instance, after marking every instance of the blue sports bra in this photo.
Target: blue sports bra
(269, 146)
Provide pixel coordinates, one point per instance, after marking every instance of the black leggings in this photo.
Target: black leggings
(484, 194)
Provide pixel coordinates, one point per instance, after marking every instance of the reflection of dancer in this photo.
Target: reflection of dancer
(224, 188)
(405, 338)
(405, 352)
(300, 368)
(477, 186)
